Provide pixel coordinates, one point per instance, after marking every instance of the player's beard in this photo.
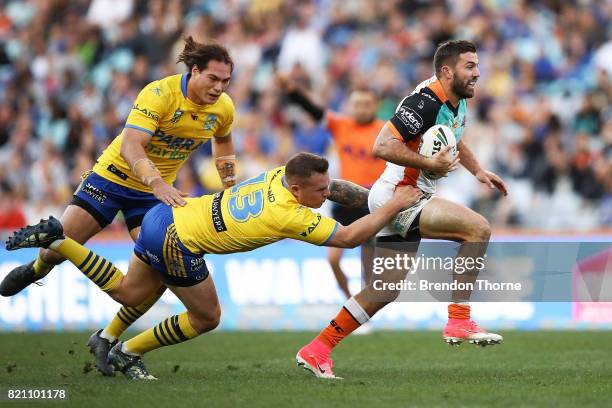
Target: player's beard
(461, 89)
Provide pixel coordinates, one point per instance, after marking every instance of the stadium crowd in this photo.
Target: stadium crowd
(541, 118)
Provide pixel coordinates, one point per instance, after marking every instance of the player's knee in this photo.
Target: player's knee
(480, 231)
(333, 260)
(127, 299)
(206, 322)
(334, 256)
(127, 296)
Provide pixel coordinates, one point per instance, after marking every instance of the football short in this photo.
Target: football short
(405, 223)
(158, 245)
(347, 215)
(103, 199)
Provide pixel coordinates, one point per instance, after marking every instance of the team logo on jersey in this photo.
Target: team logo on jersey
(177, 115)
(421, 104)
(210, 122)
(412, 120)
(156, 90)
(458, 122)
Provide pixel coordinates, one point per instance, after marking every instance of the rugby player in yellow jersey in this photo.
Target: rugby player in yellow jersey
(169, 120)
(172, 244)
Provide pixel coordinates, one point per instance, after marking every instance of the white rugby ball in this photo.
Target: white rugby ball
(433, 140)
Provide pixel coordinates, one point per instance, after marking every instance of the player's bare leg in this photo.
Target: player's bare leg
(443, 219)
(315, 356)
(334, 255)
(78, 224)
(366, 255)
(141, 282)
(104, 339)
(202, 315)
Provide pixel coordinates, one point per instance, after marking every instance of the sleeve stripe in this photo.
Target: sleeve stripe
(332, 234)
(397, 135)
(140, 128)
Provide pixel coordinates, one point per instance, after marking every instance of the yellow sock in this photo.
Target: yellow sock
(41, 268)
(100, 271)
(173, 330)
(128, 315)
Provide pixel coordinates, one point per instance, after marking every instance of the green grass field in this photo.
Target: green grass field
(381, 369)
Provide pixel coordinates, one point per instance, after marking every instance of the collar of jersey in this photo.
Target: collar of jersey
(184, 80)
(438, 91)
(290, 196)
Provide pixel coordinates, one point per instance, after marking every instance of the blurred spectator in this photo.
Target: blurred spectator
(12, 216)
(69, 73)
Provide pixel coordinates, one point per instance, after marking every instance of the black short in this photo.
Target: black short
(346, 215)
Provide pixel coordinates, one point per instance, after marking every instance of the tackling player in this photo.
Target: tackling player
(353, 135)
(169, 120)
(172, 243)
(438, 100)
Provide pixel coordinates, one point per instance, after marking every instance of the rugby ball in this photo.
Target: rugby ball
(433, 140)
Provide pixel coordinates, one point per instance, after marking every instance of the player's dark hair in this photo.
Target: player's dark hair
(448, 53)
(302, 165)
(199, 55)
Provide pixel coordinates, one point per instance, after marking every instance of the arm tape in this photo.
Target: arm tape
(146, 171)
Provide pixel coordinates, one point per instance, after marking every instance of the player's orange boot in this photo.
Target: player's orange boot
(310, 358)
(459, 330)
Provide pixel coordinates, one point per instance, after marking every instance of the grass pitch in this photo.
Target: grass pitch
(381, 369)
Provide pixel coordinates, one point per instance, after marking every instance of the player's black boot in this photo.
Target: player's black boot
(40, 235)
(100, 347)
(18, 279)
(131, 366)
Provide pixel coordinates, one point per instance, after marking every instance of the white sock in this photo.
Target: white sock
(128, 352)
(355, 309)
(107, 336)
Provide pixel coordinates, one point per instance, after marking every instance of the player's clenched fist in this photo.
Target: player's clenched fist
(443, 162)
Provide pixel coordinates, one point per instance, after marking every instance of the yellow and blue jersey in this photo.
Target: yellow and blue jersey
(254, 213)
(177, 126)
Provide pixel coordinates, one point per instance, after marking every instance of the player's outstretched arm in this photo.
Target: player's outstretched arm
(348, 194)
(133, 152)
(225, 159)
(362, 229)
